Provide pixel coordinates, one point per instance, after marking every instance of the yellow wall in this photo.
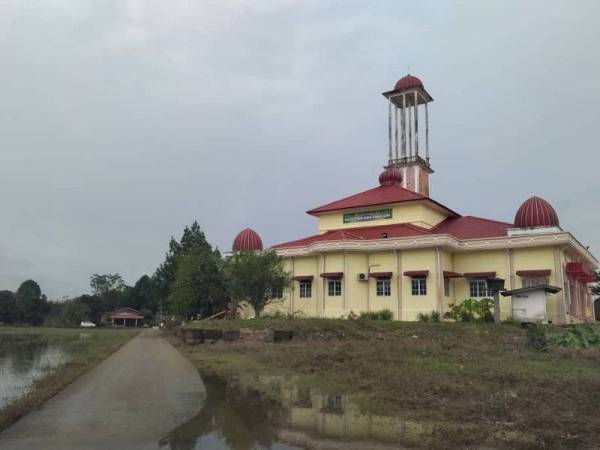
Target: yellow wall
(482, 261)
(418, 213)
(418, 260)
(359, 296)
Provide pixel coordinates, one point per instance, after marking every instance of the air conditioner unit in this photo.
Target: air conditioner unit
(363, 277)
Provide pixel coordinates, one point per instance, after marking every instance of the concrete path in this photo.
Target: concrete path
(129, 401)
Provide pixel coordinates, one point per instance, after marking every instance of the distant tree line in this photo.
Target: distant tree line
(194, 280)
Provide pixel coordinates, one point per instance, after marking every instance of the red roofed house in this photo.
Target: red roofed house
(126, 317)
(394, 247)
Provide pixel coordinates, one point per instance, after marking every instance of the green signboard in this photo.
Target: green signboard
(366, 216)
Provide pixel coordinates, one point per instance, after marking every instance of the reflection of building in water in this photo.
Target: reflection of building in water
(337, 417)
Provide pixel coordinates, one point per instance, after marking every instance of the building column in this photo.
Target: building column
(439, 276)
(403, 123)
(291, 288)
(344, 284)
(426, 133)
(416, 123)
(390, 127)
(399, 284)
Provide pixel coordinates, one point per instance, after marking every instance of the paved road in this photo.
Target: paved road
(129, 401)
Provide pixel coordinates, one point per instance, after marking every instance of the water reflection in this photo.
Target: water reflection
(231, 418)
(23, 360)
(237, 419)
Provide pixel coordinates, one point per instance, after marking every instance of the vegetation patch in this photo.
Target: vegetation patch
(479, 373)
(86, 349)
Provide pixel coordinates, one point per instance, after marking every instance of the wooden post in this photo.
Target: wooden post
(496, 307)
(416, 123)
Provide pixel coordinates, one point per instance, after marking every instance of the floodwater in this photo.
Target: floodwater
(25, 359)
(236, 419)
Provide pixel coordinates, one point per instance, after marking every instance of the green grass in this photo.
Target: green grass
(483, 375)
(85, 352)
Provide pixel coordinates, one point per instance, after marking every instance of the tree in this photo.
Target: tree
(164, 277)
(110, 288)
(31, 304)
(74, 312)
(199, 286)
(257, 278)
(144, 295)
(8, 307)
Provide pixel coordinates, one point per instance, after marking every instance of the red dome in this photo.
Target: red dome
(408, 82)
(247, 240)
(536, 212)
(390, 176)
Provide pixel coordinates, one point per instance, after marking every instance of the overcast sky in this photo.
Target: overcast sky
(123, 121)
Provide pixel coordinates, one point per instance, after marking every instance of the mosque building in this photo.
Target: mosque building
(394, 247)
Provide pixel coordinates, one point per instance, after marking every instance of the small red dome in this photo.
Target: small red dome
(247, 240)
(408, 82)
(390, 176)
(536, 212)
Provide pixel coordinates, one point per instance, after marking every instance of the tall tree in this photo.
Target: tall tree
(199, 286)
(8, 307)
(164, 277)
(257, 278)
(144, 295)
(110, 288)
(31, 304)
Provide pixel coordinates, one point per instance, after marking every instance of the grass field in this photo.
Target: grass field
(483, 379)
(86, 348)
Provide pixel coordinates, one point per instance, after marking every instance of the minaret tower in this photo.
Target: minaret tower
(407, 102)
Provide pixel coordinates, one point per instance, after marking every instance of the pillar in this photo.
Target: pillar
(416, 106)
(403, 123)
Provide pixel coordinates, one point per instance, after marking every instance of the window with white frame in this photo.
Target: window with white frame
(446, 287)
(305, 288)
(334, 287)
(418, 285)
(478, 289)
(534, 281)
(384, 287)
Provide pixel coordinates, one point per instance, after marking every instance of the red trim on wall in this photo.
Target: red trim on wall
(534, 273)
(450, 274)
(416, 273)
(579, 271)
(380, 275)
(480, 275)
(303, 278)
(332, 275)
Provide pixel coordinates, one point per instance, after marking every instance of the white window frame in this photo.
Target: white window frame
(383, 287)
(481, 290)
(334, 287)
(305, 288)
(418, 286)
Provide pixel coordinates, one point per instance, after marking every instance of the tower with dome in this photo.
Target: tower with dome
(394, 247)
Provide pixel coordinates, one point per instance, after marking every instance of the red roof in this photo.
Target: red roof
(459, 227)
(381, 195)
(408, 82)
(536, 212)
(246, 241)
(470, 227)
(357, 234)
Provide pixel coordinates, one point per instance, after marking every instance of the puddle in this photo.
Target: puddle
(236, 419)
(23, 360)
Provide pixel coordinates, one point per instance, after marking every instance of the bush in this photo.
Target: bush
(384, 314)
(536, 337)
(435, 316)
(423, 317)
(471, 310)
(578, 336)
